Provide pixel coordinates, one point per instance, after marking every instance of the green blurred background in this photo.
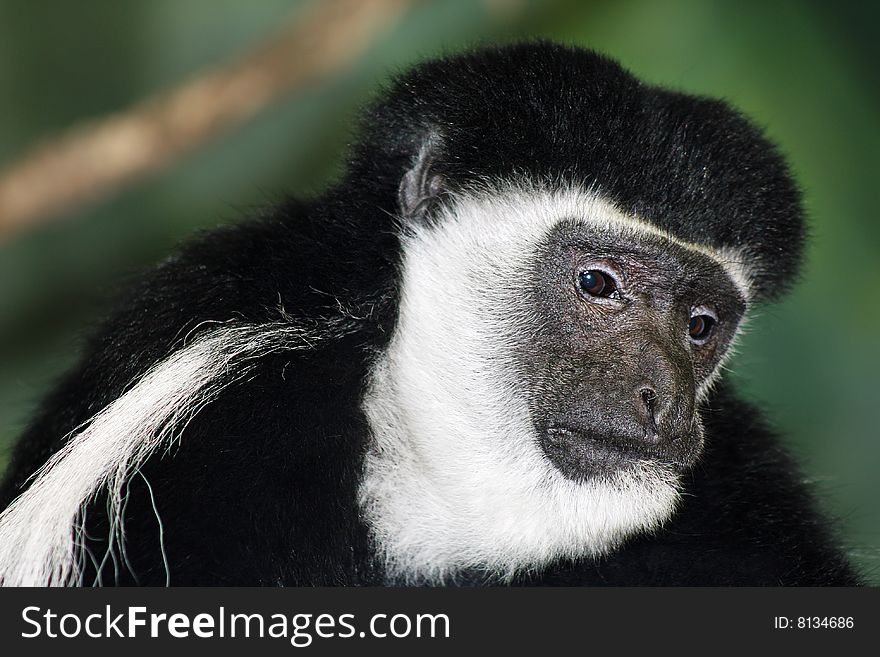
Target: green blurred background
(805, 71)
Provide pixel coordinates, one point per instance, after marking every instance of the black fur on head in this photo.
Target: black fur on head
(692, 166)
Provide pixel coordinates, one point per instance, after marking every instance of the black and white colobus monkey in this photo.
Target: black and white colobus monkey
(488, 354)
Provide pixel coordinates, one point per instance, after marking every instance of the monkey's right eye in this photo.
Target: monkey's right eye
(597, 284)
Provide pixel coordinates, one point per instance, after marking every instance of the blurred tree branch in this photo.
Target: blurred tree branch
(92, 160)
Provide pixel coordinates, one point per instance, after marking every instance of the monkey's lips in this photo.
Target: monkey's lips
(579, 454)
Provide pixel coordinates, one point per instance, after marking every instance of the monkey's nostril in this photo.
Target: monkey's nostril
(649, 398)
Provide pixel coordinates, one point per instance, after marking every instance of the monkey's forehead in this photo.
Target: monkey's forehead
(693, 167)
(513, 221)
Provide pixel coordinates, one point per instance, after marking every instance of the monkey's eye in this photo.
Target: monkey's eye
(700, 326)
(598, 284)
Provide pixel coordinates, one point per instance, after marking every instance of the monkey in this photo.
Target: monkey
(490, 353)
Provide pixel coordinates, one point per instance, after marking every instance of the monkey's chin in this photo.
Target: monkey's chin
(581, 456)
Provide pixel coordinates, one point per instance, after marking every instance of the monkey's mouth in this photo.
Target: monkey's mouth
(581, 455)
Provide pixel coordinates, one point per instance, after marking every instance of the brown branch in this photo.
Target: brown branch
(92, 160)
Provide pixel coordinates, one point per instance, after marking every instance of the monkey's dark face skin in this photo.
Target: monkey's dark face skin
(629, 333)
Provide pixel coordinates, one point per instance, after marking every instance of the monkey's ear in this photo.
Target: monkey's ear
(421, 186)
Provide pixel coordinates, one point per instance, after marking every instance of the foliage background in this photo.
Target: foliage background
(806, 70)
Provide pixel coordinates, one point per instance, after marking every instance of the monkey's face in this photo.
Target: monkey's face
(627, 334)
(539, 395)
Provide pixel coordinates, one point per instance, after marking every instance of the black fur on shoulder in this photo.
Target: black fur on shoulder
(262, 486)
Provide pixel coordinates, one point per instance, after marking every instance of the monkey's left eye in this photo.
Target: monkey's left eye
(598, 284)
(700, 326)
